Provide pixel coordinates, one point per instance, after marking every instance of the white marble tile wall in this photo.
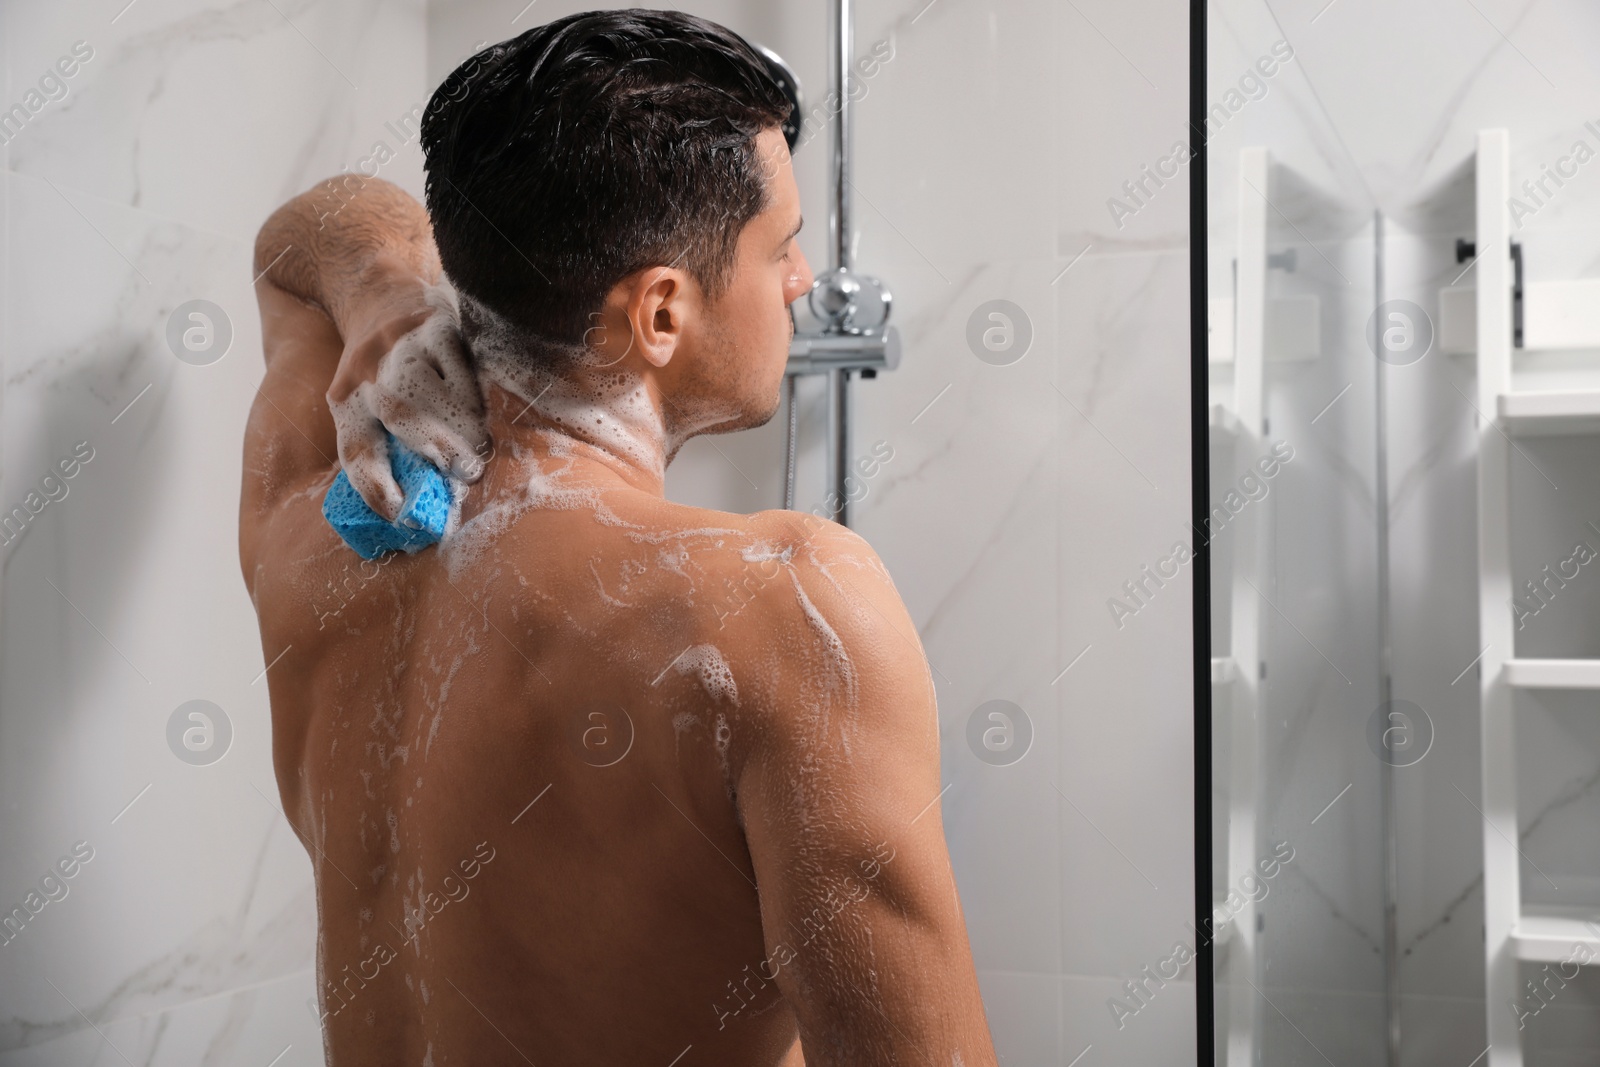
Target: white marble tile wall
(187, 937)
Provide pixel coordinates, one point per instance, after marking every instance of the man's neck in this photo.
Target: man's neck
(608, 422)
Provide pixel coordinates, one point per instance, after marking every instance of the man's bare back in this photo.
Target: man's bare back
(600, 778)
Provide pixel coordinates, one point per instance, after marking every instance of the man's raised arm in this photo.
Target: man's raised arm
(839, 797)
(362, 250)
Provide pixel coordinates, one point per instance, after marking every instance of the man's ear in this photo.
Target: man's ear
(658, 309)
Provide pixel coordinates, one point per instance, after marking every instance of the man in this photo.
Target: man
(598, 779)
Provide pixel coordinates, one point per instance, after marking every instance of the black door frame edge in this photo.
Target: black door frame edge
(1205, 993)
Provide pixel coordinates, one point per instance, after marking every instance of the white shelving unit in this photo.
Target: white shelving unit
(1552, 411)
(1558, 315)
(1553, 673)
(1236, 679)
(1555, 317)
(1549, 935)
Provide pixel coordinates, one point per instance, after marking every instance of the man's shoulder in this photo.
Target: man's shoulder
(722, 542)
(848, 692)
(812, 540)
(741, 586)
(816, 592)
(802, 560)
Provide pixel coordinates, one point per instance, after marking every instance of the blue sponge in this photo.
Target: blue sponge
(422, 517)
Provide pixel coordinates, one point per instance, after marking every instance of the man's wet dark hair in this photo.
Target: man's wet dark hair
(567, 158)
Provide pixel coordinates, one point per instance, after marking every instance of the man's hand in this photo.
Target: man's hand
(362, 250)
(406, 371)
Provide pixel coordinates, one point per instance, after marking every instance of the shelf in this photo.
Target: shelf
(1561, 411)
(1223, 670)
(1553, 673)
(1561, 314)
(1557, 316)
(1549, 935)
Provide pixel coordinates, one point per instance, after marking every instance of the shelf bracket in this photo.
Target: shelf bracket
(1466, 250)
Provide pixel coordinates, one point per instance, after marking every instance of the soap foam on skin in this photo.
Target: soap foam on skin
(613, 409)
(711, 670)
(471, 648)
(761, 552)
(679, 535)
(724, 735)
(825, 568)
(838, 658)
(681, 722)
(675, 559)
(601, 585)
(463, 545)
(547, 487)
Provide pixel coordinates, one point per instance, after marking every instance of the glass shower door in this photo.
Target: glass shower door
(1299, 893)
